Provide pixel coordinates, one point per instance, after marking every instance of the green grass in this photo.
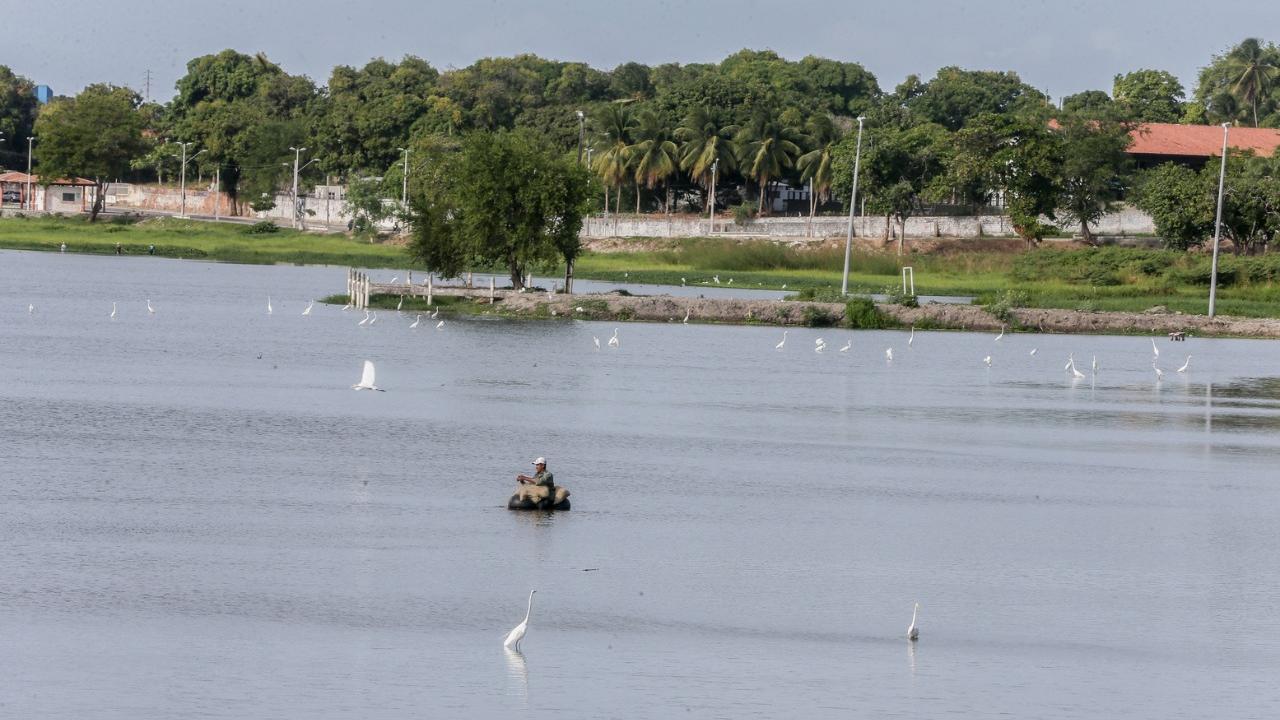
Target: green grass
(196, 240)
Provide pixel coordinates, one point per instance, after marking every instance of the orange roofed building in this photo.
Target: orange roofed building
(1194, 145)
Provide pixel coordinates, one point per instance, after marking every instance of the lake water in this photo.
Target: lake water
(201, 519)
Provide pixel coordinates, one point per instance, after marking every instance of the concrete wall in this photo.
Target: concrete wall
(315, 210)
(1126, 221)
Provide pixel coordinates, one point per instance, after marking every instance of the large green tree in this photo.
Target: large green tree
(17, 115)
(614, 127)
(705, 143)
(654, 156)
(1149, 96)
(815, 166)
(955, 95)
(95, 134)
(1240, 85)
(368, 113)
(767, 147)
(1177, 200)
(1094, 169)
(503, 198)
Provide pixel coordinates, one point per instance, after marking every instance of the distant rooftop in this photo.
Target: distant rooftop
(1200, 140)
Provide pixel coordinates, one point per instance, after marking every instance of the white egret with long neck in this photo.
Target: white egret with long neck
(517, 633)
(781, 343)
(1185, 365)
(913, 631)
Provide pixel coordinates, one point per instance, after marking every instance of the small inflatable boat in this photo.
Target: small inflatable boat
(523, 499)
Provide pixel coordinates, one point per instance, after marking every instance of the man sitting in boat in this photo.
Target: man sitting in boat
(542, 483)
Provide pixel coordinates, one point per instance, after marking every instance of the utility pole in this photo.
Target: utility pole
(582, 128)
(404, 181)
(217, 191)
(30, 200)
(853, 206)
(297, 156)
(146, 96)
(182, 213)
(1217, 223)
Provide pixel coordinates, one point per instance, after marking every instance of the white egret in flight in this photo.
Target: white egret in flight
(512, 642)
(367, 379)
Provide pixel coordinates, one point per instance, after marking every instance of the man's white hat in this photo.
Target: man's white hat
(540, 461)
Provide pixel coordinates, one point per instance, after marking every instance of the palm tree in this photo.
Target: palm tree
(614, 125)
(815, 165)
(765, 149)
(1253, 68)
(703, 143)
(653, 155)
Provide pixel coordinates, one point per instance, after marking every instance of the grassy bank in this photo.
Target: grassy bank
(190, 239)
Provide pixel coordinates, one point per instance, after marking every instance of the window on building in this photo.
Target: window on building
(68, 197)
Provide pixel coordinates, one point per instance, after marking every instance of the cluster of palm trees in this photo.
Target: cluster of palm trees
(633, 147)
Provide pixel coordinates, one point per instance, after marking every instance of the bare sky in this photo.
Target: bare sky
(1060, 47)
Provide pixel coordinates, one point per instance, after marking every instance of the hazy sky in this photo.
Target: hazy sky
(1060, 47)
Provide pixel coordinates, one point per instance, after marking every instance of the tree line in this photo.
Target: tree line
(654, 134)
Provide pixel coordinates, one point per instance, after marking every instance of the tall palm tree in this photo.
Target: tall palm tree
(654, 157)
(1253, 69)
(703, 143)
(614, 126)
(766, 149)
(822, 135)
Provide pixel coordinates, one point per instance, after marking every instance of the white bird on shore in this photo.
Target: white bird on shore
(512, 641)
(150, 309)
(1001, 335)
(113, 310)
(912, 337)
(269, 311)
(888, 354)
(784, 286)
(440, 325)
(1155, 350)
(367, 378)
(847, 345)
(1185, 365)
(781, 343)
(400, 304)
(578, 309)
(682, 282)
(309, 306)
(613, 341)
(730, 281)
(596, 340)
(415, 322)
(365, 321)
(716, 278)
(913, 632)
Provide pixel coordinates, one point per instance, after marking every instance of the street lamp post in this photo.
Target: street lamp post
(182, 186)
(1217, 222)
(29, 199)
(853, 205)
(297, 156)
(711, 216)
(404, 181)
(582, 129)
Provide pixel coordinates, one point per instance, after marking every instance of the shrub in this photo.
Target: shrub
(742, 214)
(262, 227)
(895, 296)
(1001, 307)
(817, 317)
(862, 313)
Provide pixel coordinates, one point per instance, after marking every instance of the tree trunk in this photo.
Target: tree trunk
(902, 233)
(760, 206)
(517, 273)
(99, 200)
(568, 276)
(606, 199)
(637, 198)
(617, 200)
(1084, 232)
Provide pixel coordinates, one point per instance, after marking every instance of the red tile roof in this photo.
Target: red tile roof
(1200, 140)
(14, 176)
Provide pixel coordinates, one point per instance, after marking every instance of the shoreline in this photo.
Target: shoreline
(670, 309)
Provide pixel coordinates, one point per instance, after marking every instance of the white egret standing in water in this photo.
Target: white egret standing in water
(1185, 365)
(365, 321)
(309, 306)
(149, 308)
(781, 343)
(987, 360)
(613, 341)
(367, 378)
(1159, 372)
(912, 337)
(1155, 349)
(113, 310)
(1074, 372)
(31, 308)
(400, 304)
(440, 325)
(435, 313)
(847, 345)
(374, 319)
(686, 316)
(517, 633)
(596, 340)
(1001, 335)
(913, 631)
(269, 305)
(888, 354)
(1033, 351)
(415, 322)
(1095, 364)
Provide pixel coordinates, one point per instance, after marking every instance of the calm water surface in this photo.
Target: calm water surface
(201, 519)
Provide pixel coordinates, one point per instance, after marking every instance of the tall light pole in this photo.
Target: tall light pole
(853, 205)
(582, 129)
(297, 156)
(404, 181)
(29, 199)
(1217, 222)
(182, 191)
(711, 216)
